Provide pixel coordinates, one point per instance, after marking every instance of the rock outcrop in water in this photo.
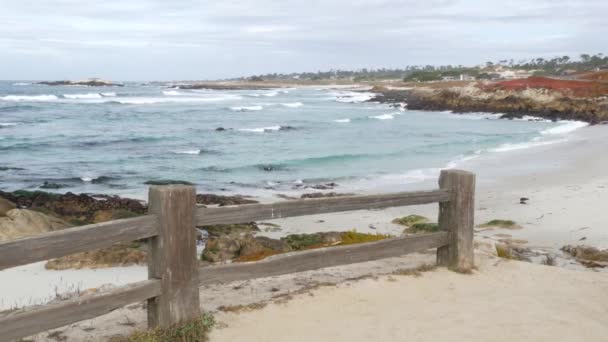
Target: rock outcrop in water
(94, 82)
(540, 99)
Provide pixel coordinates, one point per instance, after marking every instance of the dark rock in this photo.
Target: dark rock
(242, 248)
(588, 256)
(272, 167)
(220, 129)
(210, 199)
(591, 110)
(523, 200)
(7, 168)
(326, 186)
(324, 195)
(77, 209)
(231, 229)
(90, 83)
(167, 182)
(49, 185)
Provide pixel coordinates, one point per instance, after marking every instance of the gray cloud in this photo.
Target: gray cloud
(157, 39)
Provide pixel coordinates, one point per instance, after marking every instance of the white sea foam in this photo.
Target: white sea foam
(109, 94)
(260, 129)
(382, 117)
(33, 98)
(7, 124)
(565, 127)
(173, 93)
(292, 104)
(155, 100)
(412, 176)
(473, 116)
(246, 108)
(342, 120)
(21, 84)
(271, 94)
(352, 96)
(82, 96)
(531, 118)
(521, 146)
(188, 152)
(87, 178)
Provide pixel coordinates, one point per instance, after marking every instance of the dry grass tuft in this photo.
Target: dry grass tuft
(193, 331)
(416, 272)
(506, 224)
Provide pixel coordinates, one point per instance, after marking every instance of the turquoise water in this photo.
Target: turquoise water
(113, 139)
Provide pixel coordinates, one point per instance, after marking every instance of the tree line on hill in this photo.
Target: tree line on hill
(541, 66)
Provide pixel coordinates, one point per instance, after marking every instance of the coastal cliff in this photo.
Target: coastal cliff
(536, 96)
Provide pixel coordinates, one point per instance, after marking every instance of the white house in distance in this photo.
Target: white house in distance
(462, 77)
(510, 74)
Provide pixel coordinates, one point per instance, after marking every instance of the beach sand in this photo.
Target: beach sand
(568, 191)
(502, 301)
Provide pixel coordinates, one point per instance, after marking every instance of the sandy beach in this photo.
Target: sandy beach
(502, 301)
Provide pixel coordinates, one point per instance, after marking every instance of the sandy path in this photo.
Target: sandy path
(503, 301)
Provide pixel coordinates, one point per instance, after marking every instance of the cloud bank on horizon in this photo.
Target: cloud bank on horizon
(169, 40)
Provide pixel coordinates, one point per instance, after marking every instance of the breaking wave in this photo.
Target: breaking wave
(246, 108)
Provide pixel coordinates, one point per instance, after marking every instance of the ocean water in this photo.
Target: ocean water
(114, 139)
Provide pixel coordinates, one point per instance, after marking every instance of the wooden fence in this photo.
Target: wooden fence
(174, 275)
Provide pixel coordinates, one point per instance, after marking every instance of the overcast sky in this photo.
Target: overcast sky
(187, 39)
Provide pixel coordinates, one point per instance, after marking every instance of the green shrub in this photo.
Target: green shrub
(303, 241)
(500, 224)
(353, 237)
(422, 228)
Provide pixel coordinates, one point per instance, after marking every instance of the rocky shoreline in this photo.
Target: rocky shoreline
(513, 104)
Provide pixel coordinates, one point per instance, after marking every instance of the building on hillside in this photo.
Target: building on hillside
(515, 74)
(464, 77)
(448, 78)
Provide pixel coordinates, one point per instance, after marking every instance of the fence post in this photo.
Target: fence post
(172, 256)
(457, 218)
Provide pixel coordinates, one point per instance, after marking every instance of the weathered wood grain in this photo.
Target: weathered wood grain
(172, 256)
(74, 240)
(28, 322)
(457, 218)
(257, 212)
(320, 258)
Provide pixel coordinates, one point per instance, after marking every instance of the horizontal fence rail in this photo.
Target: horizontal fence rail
(174, 274)
(31, 321)
(258, 212)
(74, 240)
(320, 258)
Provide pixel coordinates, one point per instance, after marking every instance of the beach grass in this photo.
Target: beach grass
(504, 252)
(193, 331)
(498, 223)
(422, 228)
